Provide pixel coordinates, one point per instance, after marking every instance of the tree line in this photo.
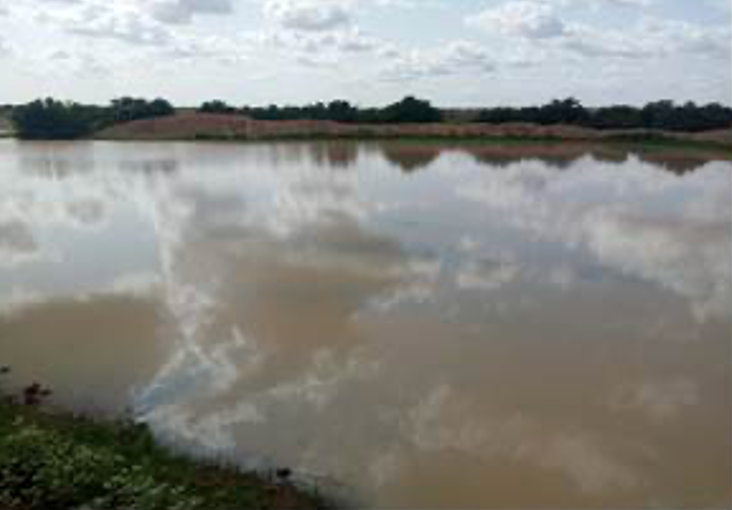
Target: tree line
(662, 115)
(59, 120)
(408, 110)
(53, 119)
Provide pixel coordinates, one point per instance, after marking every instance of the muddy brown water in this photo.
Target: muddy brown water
(422, 326)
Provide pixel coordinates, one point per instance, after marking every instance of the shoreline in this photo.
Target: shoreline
(234, 128)
(659, 144)
(649, 144)
(211, 127)
(77, 461)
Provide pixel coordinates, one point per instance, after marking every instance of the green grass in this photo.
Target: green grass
(60, 461)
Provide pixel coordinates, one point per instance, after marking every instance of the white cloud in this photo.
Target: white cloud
(538, 23)
(454, 58)
(533, 50)
(183, 11)
(309, 15)
(529, 19)
(122, 22)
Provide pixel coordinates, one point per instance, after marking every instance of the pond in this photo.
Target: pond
(413, 324)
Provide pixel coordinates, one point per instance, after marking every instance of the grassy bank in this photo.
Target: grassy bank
(51, 460)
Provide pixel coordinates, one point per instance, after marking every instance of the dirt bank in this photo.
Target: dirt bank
(198, 126)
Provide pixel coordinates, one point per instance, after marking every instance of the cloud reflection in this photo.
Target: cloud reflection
(306, 305)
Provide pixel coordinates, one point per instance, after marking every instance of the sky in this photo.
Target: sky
(458, 53)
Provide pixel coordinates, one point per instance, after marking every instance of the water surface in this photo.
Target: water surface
(418, 325)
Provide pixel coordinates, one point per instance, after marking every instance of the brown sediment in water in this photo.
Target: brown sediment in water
(513, 333)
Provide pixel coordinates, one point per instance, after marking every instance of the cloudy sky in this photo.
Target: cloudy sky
(455, 52)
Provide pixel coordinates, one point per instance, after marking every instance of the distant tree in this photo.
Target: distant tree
(616, 117)
(342, 111)
(317, 111)
(216, 106)
(369, 116)
(411, 109)
(51, 119)
(408, 110)
(567, 111)
(663, 115)
(716, 116)
(159, 108)
(339, 111)
(126, 109)
(659, 115)
(499, 115)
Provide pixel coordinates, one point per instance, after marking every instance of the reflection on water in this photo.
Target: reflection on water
(460, 326)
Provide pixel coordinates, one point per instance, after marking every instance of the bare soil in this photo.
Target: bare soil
(197, 126)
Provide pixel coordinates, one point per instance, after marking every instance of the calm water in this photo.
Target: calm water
(415, 326)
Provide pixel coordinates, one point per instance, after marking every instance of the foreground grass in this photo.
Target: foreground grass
(59, 461)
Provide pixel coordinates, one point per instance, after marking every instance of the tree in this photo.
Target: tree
(498, 115)
(411, 109)
(216, 106)
(616, 117)
(567, 111)
(663, 115)
(342, 111)
(658, 115)
(51, 119)
(126, 109)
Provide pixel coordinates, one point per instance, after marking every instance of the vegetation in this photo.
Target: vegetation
(127, 109)
(661, 115)
(55, 461)
(339, 111)
(408, 110)
(51, 119)
(216, 107)
(57, 120)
